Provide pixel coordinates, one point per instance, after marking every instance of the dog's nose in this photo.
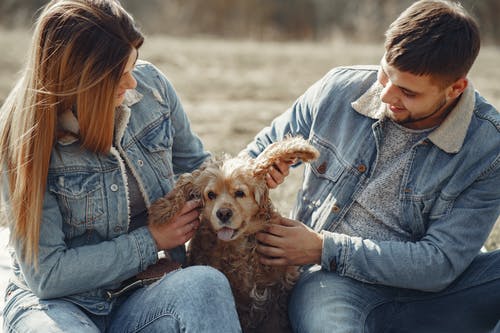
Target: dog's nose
(224, 214)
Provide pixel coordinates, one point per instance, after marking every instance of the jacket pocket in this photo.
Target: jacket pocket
(157, 145)
(437, 207)
(328, 165)
(420, 212)
(81, 200)
(321, 187)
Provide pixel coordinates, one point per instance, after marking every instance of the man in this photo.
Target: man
(391, 218)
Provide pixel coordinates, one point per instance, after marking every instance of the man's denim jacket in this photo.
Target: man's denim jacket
(450, 192)
(85, 247)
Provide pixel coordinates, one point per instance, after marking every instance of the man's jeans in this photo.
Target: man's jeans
(195, 299)
(326, 302)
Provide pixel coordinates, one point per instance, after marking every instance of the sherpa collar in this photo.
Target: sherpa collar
(68, 123)
(449, 136)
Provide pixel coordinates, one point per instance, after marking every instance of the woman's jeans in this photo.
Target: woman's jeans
(195, 299)
(326, 302)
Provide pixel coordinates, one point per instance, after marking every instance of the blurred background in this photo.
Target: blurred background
(361, 20)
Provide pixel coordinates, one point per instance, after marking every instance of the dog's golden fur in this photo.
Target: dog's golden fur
(236, 205)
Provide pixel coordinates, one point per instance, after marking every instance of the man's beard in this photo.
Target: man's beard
(410, 120)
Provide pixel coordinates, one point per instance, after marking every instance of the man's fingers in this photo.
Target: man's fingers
(273, 261)
(271, 182)
(277, 173)
(270, 255)
(269, 238)
(283, 167)
(287, 222)
(270, 251)
(280, 227)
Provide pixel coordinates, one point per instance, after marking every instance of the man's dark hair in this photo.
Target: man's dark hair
(433, 37)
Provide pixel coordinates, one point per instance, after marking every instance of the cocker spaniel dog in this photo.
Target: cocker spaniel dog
(236, 205)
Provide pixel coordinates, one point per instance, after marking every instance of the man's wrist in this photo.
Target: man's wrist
(319, 249)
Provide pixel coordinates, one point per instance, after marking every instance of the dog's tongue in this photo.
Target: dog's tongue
(225, 234)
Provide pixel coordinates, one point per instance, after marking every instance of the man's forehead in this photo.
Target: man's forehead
(406, 80)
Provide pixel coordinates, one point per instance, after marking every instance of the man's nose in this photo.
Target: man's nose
(389, 94)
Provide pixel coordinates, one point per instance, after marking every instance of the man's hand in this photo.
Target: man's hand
(289, 243)
(277, 173)
(179, 229)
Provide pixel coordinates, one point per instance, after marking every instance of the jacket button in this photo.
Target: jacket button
(114, 187)
(335, 209)
(361, 168)
(322, 168)
(117, 229)
(140, 163)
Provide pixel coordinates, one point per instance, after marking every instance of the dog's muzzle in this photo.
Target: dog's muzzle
(224, 215)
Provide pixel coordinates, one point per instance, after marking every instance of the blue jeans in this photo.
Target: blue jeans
(195, 299)
(326, 302)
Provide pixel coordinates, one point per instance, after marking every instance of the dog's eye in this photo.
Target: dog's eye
(211, 195)
(239, 194)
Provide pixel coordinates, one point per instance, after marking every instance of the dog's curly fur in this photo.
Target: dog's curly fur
(236, 205)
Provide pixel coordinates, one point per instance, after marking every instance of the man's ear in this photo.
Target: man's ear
(457, 88)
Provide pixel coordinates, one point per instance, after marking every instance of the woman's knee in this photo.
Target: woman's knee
(199, 280)
(192, 298)
(200, 285)
(53, 316)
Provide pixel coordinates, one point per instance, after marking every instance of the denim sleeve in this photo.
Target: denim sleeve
(437, 259)
(187, 151)
(63, 271)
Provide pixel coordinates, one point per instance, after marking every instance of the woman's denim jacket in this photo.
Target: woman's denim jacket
(449, 194)
(85, 247)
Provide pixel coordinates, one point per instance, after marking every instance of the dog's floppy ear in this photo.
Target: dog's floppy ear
(289, 149)
(261, 193)
(163, 209)
(186, 188)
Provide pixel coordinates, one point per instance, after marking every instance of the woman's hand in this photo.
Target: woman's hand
(277, 173)
(179, 229)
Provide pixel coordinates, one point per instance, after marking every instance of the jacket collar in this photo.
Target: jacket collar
(68, 123)
(449, 136)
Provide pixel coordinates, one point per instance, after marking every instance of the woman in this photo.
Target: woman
(89, 138)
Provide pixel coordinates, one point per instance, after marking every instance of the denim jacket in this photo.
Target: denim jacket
(450, 192)
(85, 247)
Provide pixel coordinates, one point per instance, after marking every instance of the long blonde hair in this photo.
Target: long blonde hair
(78, 53)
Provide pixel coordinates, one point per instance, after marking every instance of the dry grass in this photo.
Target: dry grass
(231, 89)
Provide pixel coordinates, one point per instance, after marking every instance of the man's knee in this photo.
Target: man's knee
(325, 302)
